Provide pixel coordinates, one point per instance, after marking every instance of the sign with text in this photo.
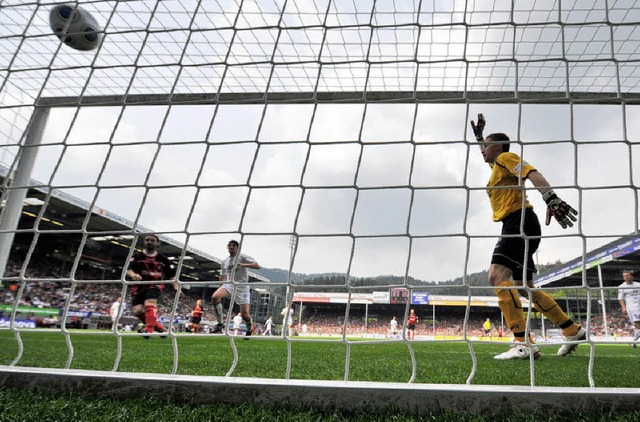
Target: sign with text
(380, 297)
(420, 298)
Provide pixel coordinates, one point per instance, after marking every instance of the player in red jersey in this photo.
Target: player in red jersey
(149, 265)
(196, 316)
(411, 325)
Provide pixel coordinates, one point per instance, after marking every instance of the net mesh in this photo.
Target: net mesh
(342, 124)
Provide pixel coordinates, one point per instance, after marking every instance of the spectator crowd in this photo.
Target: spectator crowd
(46, 287)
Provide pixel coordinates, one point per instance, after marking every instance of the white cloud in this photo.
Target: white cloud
(384, 165)
(332, 165)
(279, 164)
(326, 211)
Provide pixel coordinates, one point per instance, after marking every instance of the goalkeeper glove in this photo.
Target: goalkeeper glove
(562, 211)
(478, 128)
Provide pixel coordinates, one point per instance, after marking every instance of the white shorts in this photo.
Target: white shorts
(634, 315)
(243, 295)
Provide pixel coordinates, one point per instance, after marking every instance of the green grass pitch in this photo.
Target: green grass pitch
(264, 357)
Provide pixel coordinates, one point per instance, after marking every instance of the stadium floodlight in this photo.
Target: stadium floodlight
(328, 136)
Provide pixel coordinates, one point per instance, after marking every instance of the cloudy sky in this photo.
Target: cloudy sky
(331, 189)
(371, 189)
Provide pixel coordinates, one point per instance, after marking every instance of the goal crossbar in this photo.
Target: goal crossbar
(335, 97)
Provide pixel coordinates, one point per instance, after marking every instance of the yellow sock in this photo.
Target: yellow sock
(544, 303)
(511, 306)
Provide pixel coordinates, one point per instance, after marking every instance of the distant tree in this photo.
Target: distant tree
(475, 284)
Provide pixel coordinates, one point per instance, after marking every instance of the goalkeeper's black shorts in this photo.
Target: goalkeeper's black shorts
(513, 249)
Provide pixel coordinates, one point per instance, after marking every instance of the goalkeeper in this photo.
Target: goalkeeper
(516, 247)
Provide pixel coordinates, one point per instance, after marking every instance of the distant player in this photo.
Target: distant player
(115, 308)
(149, 265)
(287, 319)
(629, 297)
(487, 327)
(411, 325)
(393, 327)
(234, 268)
(268, 326)
(196, 316)
(237, 320)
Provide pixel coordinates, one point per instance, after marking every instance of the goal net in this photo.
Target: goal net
(331, 139)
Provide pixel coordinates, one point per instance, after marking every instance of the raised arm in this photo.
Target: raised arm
(479, 127)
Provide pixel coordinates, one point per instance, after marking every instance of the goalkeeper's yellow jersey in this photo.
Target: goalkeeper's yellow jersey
(508, 170)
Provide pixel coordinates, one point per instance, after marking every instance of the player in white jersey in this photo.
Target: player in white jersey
(287, 319)
(393, 327)
(237, 320)
(234, 268)
(629, 297)
(268, 326)
(115, 308)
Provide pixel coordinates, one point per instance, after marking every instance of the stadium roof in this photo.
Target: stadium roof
(109, 235)
(612, 258)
